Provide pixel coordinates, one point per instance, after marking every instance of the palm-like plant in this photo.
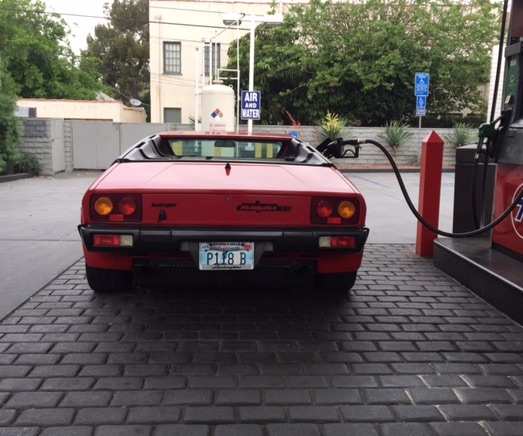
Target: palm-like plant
(462, 134)
(395, 134)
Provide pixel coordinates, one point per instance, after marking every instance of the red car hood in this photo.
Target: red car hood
(208, 177)
(239, 194)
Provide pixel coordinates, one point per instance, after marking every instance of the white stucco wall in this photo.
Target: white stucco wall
(114, 111)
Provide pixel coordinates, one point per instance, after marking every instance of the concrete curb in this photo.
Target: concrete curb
(12, 177)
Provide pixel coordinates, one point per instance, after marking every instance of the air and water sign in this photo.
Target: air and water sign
(251, 105)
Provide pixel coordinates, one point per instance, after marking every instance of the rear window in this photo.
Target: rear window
(207, 148)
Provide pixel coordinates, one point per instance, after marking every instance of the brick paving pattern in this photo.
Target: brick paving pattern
(410, 353)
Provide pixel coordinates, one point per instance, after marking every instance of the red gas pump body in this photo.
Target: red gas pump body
(508, 236)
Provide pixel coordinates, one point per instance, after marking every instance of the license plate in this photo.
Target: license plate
(226, 255)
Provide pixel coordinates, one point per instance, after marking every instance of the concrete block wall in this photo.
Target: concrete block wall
(68, 145)
(37, 140)
(407, 154)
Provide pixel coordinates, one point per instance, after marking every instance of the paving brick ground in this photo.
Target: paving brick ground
(409, 353)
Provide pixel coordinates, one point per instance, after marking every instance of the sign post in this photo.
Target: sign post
(421, 92)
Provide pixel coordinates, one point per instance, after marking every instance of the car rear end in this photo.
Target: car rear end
(221, 204)
(216, 217)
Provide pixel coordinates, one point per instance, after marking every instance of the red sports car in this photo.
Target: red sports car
(222, 204)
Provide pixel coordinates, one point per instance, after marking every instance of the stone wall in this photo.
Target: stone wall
(40, 138)
(68, 145)
(407, 154)
(37, 140)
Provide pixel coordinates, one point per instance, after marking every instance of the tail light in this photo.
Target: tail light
(344, 242)
(106, 240)
(333, 210)
(116, 208)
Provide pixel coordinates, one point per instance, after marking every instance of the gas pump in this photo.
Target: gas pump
(508, 149)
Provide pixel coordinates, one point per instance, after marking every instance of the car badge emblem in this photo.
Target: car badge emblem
(259, 207)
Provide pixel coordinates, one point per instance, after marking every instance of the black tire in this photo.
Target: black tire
(335, 283)
(108, 280)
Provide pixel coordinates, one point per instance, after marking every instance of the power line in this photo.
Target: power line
(144, 22)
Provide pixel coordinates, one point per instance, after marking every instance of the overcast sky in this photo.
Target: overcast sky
(81, 16)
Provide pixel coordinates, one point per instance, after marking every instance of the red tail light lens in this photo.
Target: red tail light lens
(334, 211)
(116, 208)
(324, 209)
(127, 206)
(106, 240)
(337, 242)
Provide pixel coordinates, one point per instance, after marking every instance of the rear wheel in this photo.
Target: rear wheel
(108, 280)
(335, 283)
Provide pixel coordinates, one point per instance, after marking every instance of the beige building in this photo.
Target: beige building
(112, 110)
(181, 36)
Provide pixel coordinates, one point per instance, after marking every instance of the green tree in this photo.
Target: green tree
(283, 70)
(34, 48)
(358, 59)
(9, 134)
(120, 49)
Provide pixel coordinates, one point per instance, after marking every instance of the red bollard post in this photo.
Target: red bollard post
(429, 192)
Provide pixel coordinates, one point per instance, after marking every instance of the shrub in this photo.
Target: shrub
(462, 134)
(333, 127)
(395, 133)
(28, 163)
(9, 129)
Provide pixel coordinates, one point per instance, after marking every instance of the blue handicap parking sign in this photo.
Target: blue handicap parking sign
(421, 105)
(421, 84)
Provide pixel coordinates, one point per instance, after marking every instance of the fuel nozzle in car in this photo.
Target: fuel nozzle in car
(337, 148)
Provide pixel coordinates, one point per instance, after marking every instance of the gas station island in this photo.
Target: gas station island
(491, 265)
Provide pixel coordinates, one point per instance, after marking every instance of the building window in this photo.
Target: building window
(172, 58)
(215, 58)
(172, 115)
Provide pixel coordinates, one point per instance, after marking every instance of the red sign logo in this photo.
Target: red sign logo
(517, 213)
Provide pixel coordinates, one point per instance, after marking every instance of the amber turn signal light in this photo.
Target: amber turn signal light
(346, 209)
(103, 206)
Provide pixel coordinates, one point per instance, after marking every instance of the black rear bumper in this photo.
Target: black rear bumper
(146, 240)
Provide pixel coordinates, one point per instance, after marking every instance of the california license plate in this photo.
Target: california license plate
(226, 255)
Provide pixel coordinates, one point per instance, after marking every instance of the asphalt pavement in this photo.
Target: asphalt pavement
(388, 216)
(407, 352)
(38, 234)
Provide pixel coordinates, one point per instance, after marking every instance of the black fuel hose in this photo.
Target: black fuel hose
(359, 142)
